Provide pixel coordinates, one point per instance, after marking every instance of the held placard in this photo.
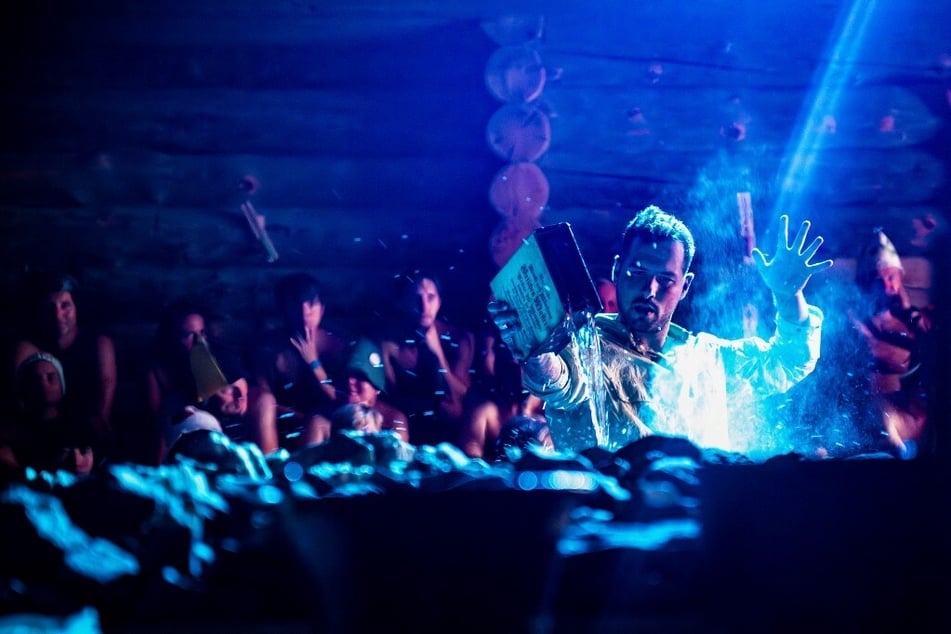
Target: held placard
(543, 281)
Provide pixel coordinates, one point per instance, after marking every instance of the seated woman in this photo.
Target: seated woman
(184, 372)
(294, 367)
(900, 347)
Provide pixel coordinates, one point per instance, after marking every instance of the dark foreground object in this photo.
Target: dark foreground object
(653, 538)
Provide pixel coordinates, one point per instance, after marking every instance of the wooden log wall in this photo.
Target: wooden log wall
(129, 127)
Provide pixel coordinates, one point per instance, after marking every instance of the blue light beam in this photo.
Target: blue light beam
(805, 146)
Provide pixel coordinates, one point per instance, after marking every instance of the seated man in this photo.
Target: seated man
(427, 362)
(88, 358)
(656, 377)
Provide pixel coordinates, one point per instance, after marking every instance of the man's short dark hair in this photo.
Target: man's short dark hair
(653, 223)
(35, 291)
(408, 281)
(39, 285)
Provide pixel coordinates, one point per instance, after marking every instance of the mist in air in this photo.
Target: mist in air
(829, 414)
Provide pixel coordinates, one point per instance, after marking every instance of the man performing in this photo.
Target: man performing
(654, 376)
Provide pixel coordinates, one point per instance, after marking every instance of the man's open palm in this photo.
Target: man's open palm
(790, 268)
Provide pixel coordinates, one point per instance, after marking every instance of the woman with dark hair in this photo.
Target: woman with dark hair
(187, 371)
(294, 369)
(169, 381)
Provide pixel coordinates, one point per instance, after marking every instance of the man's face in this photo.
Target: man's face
(426, 302)
(650, 284)
(63, 312)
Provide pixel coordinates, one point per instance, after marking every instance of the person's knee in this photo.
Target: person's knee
(318, 429)
(260, 401)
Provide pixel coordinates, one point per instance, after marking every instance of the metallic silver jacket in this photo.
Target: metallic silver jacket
(690, 389)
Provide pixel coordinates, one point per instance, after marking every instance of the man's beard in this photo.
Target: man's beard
(644, 317)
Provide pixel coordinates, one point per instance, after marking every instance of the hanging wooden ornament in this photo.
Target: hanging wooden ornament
(519, 193)
(519, 132)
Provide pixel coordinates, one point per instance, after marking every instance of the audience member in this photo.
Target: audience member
(366, 381)
(897, 337)
(518, 434)
(88, 358)
(293, 370)
(427, 362)
(185, 373)
(41, 434)
(497, 395)
(40, 387)
(607, 291)
(170, 385)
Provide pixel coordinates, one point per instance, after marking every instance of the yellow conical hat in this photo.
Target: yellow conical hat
(886, 255)
(205, 369)
(878, 254)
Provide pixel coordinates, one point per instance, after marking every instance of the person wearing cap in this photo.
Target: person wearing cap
(87, 357)
(40, 386)
(184, 373)
(896, 335)
(366, 382)
(38, 391)
(881, 275)
(43, 435)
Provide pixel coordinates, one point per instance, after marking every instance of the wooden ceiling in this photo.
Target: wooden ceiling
(129, 129)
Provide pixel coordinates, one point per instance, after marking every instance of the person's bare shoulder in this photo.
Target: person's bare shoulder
(454, 332)
(331, 343)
